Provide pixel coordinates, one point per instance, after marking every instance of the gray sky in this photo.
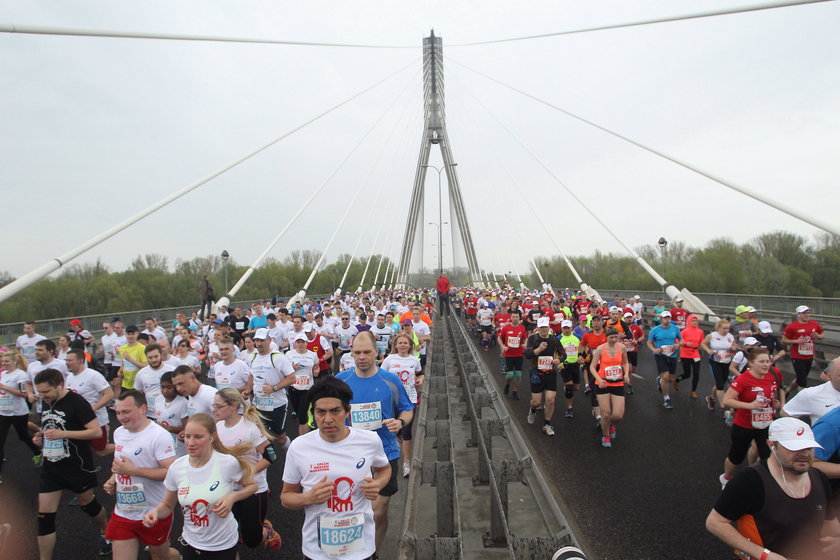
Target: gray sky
(95, 129)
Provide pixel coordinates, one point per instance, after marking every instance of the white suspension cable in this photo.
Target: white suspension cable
(74, 32)
(583, 285)
(696, 15)
(362, 185)
(54, 264)
(299, 296)
(783, 207)
(659, 279)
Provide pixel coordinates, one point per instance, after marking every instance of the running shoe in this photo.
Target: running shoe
(507, 388)
(693, 395)
(570, 413)
(406, 469)
(548, 430)
(728, 418)
(677, 384)
(605, 442)
(612, 432)
(38, 460)
(667, 404)
(104, 546)
(710, 402)
(271, 539)
(629, 389)
(723, 481)
(532, 415)
(597, 422)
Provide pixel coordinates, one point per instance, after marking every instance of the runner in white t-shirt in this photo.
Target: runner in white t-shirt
(271, 373)
(230, 372)
(91, 385)
(306, 365)
(334, 474)
(144, 451)
(407, 367)
(26, 342)
(184, 356)
(147, 380)
(199, 396)
(233, 428)
(14, 412)
(207, 482)
(171, 411)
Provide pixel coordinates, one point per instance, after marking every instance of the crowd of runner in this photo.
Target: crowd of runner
(202, 408)
(203, 403)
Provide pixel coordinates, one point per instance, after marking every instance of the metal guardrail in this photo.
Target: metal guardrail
(464, 370)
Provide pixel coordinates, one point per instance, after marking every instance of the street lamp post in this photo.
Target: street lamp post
(663, 245)
(440, 215)
(225, 256)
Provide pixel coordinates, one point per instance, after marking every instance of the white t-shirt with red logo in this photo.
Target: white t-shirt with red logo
(245, 431)
(146, 449)
(406, 369)
(345, 520)
(89, 384)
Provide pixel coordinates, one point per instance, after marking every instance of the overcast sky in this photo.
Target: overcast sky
(95, 129)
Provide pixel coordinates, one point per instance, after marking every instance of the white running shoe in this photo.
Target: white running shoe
(532, 415)
(723, 480)
(406, 469)
(548, 430)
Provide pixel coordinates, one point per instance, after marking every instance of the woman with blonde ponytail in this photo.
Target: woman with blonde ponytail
(207, 482)
(240, 423)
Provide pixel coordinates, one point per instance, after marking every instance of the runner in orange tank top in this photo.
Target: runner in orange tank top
(610, 370)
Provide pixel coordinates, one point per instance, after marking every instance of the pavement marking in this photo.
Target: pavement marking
(637, 376)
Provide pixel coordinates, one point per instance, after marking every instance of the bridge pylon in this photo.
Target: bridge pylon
(434, 134)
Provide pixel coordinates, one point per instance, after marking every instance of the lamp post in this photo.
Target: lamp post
(225, 257)
(663, 245)
(440, 216)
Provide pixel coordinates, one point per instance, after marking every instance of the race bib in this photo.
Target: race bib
(131, 498)
(723, 356)
(806, 349)
(667, 350)
(513, 342)
(571, 351)
(264, 402)
(545, 363)
(341, 536)
(150, 403)
(55, 450)
(630, 344)
(366, 416)
(761, 418)
(303, 381)
(7, 403)
(239, 325)
(613, 374)
(222, 383)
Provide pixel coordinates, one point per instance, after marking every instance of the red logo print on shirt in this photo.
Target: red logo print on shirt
(198, 513)
(124, 478)
(335, 502)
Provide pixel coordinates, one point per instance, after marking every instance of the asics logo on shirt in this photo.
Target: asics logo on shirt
(361, 463)
(214, 485)
(139, 451)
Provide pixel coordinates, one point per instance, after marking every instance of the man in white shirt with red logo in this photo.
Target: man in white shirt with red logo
(144, 451)
(271, 373)
(335, 473)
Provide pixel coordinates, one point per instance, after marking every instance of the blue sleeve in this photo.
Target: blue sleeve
(654, 335)
(825, 432)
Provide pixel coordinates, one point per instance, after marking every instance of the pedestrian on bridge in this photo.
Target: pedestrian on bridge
(443, 288)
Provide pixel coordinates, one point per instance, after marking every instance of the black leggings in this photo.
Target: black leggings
(250, 513)
(741, 440)
(20, 424)
(720, 371)
(802, 369)
(691, 369)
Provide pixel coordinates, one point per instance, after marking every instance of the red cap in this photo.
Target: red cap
(75, 322)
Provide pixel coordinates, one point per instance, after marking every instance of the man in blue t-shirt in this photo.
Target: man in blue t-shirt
(664, 341)
(379, 403)
(827, 434)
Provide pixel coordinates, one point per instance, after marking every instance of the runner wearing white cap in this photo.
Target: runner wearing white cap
(571, 367)
(801, 335)
(782, 506)
(664, 341)
(546, 355)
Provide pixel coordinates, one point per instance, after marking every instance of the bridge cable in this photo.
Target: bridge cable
(583, 285)
(783, 207)
(656, 276)
(122, 34)
(696, 15)
(362, 185)
(54, 264)
(226, 299)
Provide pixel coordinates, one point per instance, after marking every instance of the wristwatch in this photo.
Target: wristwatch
(402, 422)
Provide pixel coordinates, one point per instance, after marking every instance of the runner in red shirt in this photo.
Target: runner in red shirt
(470, 309)
(678, 314)
(801, 335)
(512, 339)
(752, 395)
